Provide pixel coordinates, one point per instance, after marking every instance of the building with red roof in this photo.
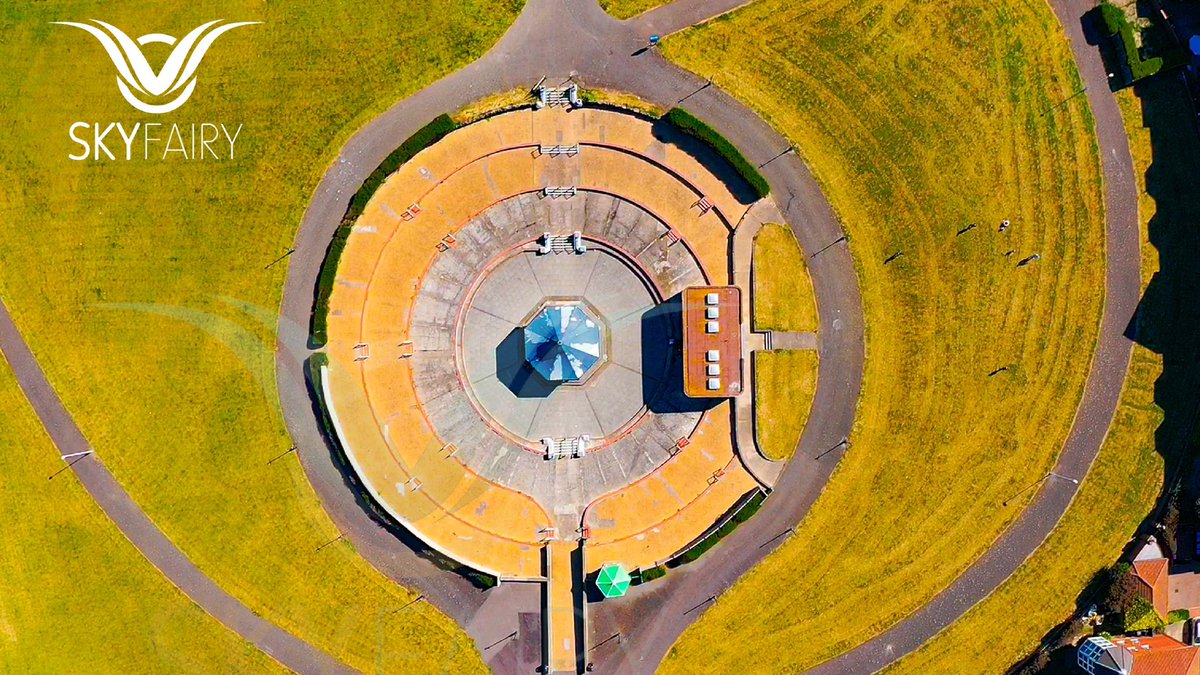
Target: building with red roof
(1154, 655)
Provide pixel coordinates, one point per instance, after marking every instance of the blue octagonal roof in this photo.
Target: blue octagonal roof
(562, 342)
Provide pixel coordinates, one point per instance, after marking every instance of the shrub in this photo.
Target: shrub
(713, 536)
(1138, 67)
(1177, 615)
(424, 137)
(1122, 589)
(1116, 24)
(1141, 616)
(651, 573)
(690, 125)
(1114, 18)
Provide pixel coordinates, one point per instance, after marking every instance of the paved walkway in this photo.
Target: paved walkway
(764, 470)
(561, 38)
(121, 509)
(558, 39)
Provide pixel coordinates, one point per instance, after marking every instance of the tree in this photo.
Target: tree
(1122, 589)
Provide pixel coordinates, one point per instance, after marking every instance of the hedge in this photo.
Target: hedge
(651, 573)
(375, 511)
(690, 125)
(424, 137)
(742, 515)
(1117, 24)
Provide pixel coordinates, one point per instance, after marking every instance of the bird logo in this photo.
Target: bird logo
(137, 80)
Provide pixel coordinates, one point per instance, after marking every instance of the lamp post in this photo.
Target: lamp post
(791, 149)
(1039, 482)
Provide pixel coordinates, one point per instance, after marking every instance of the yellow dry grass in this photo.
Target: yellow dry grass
(492, 105)
(143, 288)
(75, 595)
(784, 383)
(783, 293)
(625, 9)
(918, 119)
(1120, 489)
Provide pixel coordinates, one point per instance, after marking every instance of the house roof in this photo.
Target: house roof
(1160, 655)
(1150, 550)
(1151, 571)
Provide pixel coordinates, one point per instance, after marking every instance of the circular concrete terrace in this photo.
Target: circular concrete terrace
(443, 265)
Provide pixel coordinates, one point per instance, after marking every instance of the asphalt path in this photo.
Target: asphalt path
(562, 39)
(134, 524)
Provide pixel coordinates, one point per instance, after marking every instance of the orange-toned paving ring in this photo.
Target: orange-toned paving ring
(503, 364)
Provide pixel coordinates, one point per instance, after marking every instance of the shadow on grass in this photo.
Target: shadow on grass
(1167, 322)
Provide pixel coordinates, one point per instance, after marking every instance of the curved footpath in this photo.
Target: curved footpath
(116, 503)
(1122, 287)
(561, 39)
(558, 39)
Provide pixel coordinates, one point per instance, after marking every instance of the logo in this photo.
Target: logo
(137, 80)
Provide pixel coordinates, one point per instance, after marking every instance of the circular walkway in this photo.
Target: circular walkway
(561, 38)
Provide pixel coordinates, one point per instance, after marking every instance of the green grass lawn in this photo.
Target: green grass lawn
(75, 595)
(1128, 474)
(783, 294)
(625, 9)
(919, 119)
(784, 383)
(129, 280)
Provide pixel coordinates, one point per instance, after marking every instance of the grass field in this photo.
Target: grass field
(783, 293)
(119, 270)
(784, 383)
(919, 119)
(75, 595)
(625, 9)
(1127, 476)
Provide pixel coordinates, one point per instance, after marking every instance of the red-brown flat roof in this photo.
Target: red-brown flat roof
(725, 343)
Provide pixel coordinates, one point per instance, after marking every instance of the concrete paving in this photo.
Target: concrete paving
(478, 393)
(504, 387)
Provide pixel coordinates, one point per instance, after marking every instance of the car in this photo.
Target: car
(1191, 632)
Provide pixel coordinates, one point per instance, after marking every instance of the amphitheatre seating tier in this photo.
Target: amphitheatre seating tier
(639, 136)
(453, 510)
(621, 173)
(646, 523)
(399, 288)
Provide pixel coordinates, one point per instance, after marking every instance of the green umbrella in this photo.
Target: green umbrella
(613, 580)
